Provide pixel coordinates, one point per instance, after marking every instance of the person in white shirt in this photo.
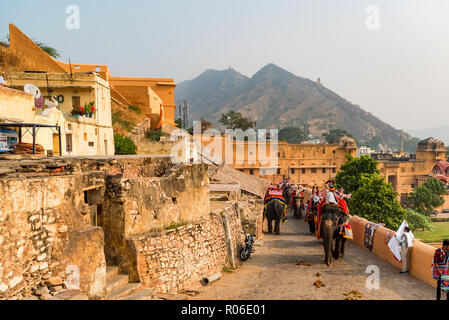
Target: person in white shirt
(406, 242)
(330, 196)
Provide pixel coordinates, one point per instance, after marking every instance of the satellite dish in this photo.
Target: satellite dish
(32, 89)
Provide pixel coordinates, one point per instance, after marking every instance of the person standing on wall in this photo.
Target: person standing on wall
(440, 265)
(406, 242)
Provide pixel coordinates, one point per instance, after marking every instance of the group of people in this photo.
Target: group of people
(316, 199)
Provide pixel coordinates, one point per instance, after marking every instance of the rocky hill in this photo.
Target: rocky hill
(276, 97)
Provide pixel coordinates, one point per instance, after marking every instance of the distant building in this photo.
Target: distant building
(364, 150)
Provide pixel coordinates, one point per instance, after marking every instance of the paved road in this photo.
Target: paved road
(272, 273)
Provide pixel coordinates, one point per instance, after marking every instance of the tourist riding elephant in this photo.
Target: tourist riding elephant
(332, 218)
(274, 211)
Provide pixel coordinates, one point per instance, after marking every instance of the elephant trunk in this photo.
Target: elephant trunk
(327, 233)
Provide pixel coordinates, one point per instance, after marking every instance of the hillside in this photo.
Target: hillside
(274, 96)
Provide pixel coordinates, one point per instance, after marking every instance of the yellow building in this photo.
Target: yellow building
(306, 164)
(407, 173)
(80, 135)
(153, 94)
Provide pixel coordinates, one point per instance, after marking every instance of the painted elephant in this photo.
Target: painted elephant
(274, 211)
(334, 243)
(298, 206)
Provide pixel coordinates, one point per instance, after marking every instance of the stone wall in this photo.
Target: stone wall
(38, 219)
(45, 228)
(138, 205)
(171, 260)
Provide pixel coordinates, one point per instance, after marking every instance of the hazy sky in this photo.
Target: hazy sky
(399, 72)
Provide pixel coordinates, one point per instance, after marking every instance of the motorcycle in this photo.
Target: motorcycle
(248, 249)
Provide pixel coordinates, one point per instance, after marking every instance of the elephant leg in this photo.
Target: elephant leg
(336, 251)
(327, 243)
(270, 225)
(311, 226)
(277, 225)
(342, 249)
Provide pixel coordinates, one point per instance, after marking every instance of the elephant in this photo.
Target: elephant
(287, 194)
(298, 206)
(311, 216)
(332, 218)
(273, 211)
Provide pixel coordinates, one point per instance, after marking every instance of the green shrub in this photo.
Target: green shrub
(135, 109)
(418, 221)
(124, 145)
(155, 135)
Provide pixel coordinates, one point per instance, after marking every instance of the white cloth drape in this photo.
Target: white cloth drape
(394, 244)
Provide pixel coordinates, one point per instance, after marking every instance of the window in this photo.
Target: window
(76, 101)
(69, 126)
(293, 171)
(68, 143)
(313, 170)
(333, 170)
(251, 171)
(91, 144)
(333, 151)
(303, 171)
(324, 170)
(279, 171)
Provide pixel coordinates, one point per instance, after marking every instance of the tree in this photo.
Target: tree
(292, 135)
(430, 195)
(52, 52)
(350, 173)
(124, 145)
(377, 201)
(235, 120)
(334, 135)
(418, 221)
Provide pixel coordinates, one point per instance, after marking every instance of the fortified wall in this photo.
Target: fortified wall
(67, 220)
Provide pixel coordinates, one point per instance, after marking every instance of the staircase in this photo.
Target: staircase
(118, 287)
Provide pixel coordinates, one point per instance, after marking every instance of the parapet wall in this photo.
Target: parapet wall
(421, 255)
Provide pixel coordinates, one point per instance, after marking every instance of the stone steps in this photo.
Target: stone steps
(111, 272)
(141, 294)
(118, 287)
(116, 282)
(123, 291)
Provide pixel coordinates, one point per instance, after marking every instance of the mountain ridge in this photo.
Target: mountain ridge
(274, 96)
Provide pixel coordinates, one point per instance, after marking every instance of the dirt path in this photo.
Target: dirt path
(271, 272)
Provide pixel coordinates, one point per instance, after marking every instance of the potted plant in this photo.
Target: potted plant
(89, 109)
(77, 111)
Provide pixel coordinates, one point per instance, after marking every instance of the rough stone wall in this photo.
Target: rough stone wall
(138, 205)
(38, 218)
(171, 260)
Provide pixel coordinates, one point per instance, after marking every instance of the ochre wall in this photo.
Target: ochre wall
(31, 57)
(421, 255)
